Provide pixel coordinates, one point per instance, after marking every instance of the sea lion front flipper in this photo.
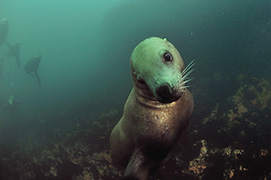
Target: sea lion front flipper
(138, 166)
(33, 75)
(38, 78)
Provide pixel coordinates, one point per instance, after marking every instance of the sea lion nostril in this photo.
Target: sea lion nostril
(163, 91)
(166, 94)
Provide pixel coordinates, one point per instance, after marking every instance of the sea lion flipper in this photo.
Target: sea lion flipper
(38, 78)
(138, 167)
(33, 75)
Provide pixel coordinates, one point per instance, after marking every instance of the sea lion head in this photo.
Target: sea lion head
(158, 64)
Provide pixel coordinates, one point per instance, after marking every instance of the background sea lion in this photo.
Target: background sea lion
(156, 111)
(3, 30)
(31, 67)
(14, 51)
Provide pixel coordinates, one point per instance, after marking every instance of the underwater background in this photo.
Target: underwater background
(61, 130)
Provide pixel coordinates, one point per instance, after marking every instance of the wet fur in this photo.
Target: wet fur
(148, 129)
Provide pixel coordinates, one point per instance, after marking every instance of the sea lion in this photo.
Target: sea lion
(157, 110)
(3, 30)
(14, 51)
(31, 67)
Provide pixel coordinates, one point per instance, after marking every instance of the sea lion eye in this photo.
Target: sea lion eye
(168, 57)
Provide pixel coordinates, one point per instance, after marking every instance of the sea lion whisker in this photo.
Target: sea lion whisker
(186, 81)
(188, 67)
(185, 74)
(184, 87)
(188, 73)
(185, 77)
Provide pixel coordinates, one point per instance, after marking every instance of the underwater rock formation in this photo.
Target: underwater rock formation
(237, 134)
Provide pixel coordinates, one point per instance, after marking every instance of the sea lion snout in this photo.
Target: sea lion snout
(166, 94)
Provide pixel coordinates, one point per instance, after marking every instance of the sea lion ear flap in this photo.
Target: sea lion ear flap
(136, 75)
(133, 69)
(140, 80)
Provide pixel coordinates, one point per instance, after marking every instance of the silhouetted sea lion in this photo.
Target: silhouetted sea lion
(3, 30)
(157, 110)
(14, 51)
(31, 67)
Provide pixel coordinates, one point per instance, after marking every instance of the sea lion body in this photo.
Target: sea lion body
(14, 51)
(3, 30)
(31, 67)
(156, 111)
